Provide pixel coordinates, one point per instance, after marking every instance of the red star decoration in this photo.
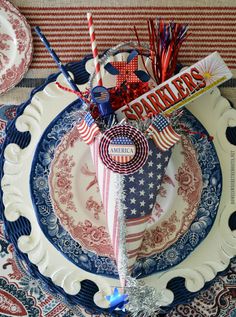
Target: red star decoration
(126, 71)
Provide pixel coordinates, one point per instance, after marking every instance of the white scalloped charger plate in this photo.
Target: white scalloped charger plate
(213, 254)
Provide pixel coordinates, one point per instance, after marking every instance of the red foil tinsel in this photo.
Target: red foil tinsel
(165, 41)
(121, 96)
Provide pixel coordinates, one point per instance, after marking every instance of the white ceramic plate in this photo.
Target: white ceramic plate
(16, 47)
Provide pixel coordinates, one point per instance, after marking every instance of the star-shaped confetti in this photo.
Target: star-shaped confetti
(117, 300)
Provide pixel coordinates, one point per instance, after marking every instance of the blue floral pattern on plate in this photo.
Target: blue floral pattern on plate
(101, 265)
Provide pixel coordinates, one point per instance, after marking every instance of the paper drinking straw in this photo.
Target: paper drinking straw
(56, 59)
(94, 49)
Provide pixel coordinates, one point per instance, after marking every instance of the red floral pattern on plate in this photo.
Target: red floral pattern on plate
(97, 208)
(189, 179)
(63, 182)
(4, 47)
(85, 170)
(190, 185)
(161, 233)
(20, 33)
(15, 45)
(86, 222)
(93, 237)
(90, 236)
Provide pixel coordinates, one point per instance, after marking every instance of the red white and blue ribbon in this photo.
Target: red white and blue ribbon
(87, 128)
(162, 133)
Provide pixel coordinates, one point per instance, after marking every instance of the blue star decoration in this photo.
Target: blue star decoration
(117, 300)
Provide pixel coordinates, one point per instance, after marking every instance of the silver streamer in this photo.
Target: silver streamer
(140, 124)
(144, 301)
(121, 195)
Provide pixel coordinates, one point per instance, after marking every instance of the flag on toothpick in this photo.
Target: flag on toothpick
(162, 133)
(87, 128)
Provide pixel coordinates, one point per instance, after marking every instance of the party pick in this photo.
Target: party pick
(94, 48)
(56, 59)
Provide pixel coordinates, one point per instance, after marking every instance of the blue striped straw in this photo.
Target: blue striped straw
(56, 59)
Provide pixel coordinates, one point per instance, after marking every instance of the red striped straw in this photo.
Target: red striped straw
(94, 49)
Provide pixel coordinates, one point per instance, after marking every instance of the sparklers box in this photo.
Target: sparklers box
(179, 90)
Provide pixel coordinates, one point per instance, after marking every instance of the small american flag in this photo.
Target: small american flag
(162, 133)
(87, 128)
(100, 96)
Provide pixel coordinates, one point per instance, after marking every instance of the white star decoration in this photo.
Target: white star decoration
(141, 182)
(132, 190)
(133, 211)
(131, 178)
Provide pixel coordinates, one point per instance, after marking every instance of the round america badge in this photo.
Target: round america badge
(123, 149)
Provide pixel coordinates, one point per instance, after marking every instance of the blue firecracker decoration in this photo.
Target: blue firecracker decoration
(117, 300)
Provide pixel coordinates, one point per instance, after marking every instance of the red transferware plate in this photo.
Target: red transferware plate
(16, 46)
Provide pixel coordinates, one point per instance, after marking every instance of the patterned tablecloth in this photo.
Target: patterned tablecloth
(64, 23)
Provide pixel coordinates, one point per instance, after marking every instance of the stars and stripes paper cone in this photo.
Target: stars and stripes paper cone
(141, 190)
(140, 184)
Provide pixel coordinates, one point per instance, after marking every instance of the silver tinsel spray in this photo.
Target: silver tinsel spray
(144, 301)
